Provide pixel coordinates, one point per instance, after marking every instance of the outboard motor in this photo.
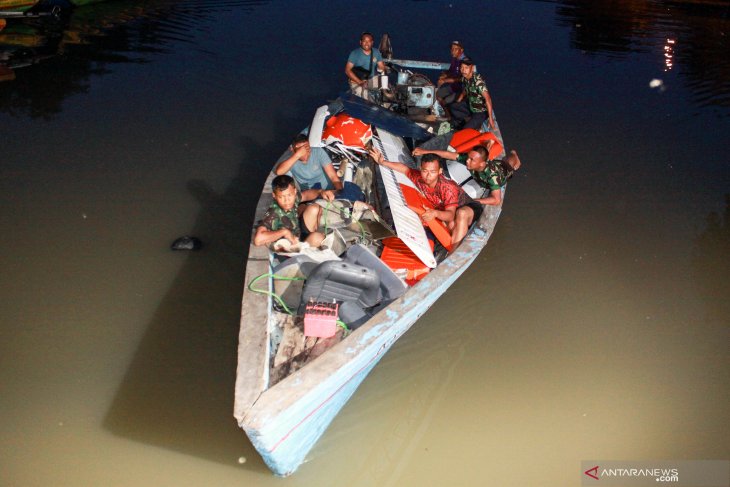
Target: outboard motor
(415, 93)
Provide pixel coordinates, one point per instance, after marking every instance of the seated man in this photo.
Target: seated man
(446, 197)
(490, 174)
(362, 64)
(313, 169)
(282, 218)
(478, 105)
(449, 83)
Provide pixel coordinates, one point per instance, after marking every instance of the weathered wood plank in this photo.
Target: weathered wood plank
(253, 339)
(252, 373)
(292, 342)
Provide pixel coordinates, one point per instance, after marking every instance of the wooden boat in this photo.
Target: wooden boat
(285, 416)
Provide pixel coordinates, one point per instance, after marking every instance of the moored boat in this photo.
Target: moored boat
(290, 386)
(16, 5)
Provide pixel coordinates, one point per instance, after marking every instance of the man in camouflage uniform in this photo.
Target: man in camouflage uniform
(282, 217)
(478, 105)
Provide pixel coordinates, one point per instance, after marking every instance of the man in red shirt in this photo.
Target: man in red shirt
(443, 194)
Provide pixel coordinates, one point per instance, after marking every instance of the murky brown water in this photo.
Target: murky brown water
(594, 325)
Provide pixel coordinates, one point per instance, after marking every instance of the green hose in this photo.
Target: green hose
(269, 293)
(276, 296)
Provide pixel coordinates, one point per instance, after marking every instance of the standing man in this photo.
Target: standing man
(449, 83)
(362, 64)
(478, 105)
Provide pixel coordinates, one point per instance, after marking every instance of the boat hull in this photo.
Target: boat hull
(284, 421)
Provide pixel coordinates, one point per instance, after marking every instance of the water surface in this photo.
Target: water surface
(594, 325)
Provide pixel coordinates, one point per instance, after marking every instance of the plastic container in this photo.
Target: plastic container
(320, 319)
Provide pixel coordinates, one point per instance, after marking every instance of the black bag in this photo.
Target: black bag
(361, 73)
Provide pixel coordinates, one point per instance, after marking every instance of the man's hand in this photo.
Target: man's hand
(301, 152)
(376, 155)
(327, 194)
(419, 152)
(488, 144)
(290, 236)
(429, 214)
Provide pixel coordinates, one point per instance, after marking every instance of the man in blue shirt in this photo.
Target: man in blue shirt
(362, 64)
(312, 169)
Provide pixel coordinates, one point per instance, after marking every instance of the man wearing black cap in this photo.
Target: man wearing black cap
(449, 83)
(478, 105)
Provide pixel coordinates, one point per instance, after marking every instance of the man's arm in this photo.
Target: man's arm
(488, 100)
(350, 74)
(286, 165)
(448, 155)
(446, 77)
(329, 170)
(313, 194)
(264, 236)
(445, 216)
(494, 198)
(380, 159)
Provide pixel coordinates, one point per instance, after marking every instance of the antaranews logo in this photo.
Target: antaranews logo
(652, 473)
(592, 472)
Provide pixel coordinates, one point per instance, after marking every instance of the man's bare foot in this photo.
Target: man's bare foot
(514, 160)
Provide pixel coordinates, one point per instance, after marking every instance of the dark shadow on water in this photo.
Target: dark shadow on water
(178, 390)
(711, 265)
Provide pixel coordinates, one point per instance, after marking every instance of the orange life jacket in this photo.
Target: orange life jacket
(466, 139)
